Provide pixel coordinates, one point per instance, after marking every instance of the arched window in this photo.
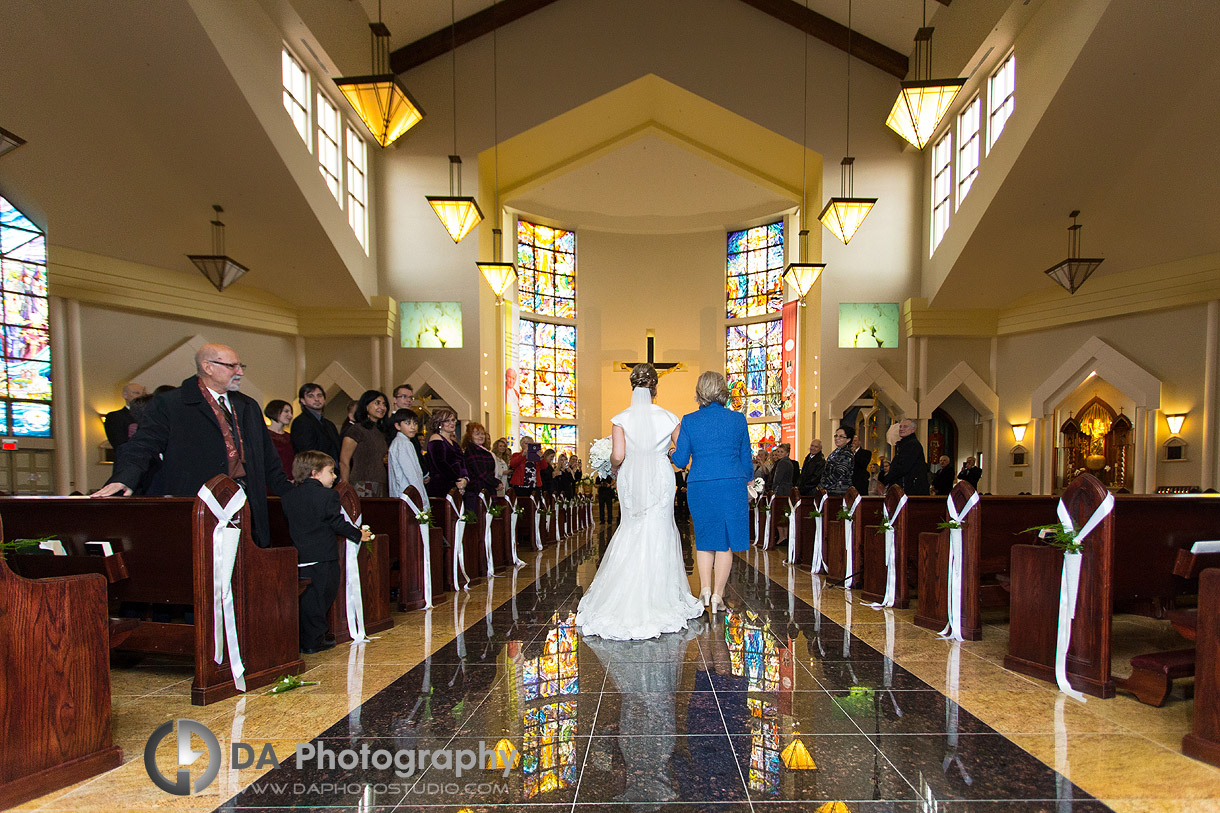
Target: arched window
(754, 334)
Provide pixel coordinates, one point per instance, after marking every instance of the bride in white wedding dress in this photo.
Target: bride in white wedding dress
(640, 589)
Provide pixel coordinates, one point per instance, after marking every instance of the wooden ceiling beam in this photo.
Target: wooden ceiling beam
(827, 30)
(467, 30)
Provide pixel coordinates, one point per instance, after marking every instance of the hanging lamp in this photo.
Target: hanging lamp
(459, 214)
(9, 141)
(499, 275)
(379, 99)
(220, 269)
(802, 275)
(922, 103)
(844, 214)
(1072, 272)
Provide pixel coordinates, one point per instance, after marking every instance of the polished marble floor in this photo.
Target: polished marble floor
(882, 715)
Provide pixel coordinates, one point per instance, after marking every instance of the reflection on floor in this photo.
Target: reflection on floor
(799, 698)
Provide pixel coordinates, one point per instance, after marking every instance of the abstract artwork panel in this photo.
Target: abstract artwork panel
(430, 324)
(868, 325)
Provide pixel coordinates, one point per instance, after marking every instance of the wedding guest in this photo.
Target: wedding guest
(681, 507)
(150, 481)
(312, 429)
(526, 465)
(942, 483)
(480, 462)
(447, 464)
(405, 469)
(279, 413)
(605, 498)
(811, 469)
(783, 469)
(861, 458)
(762, 467)
(836, 475)
(120, 425)
(565, 486)
(362, 453)
(970, 472)
(875, 488)
(548, 471)
(909, 468)
(574, 465)
(499, 450)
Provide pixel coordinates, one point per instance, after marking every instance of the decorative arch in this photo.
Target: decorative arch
(965, 380)
(427, 374)
(889, 391)
(336, 374)
(1096, 356)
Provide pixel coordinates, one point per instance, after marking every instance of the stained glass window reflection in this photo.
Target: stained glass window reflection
(546, 266)
(764, 746)
(558, 436)
(548, 750)
(763, 435)
(754, 367)
(25, 340)
(755, 271)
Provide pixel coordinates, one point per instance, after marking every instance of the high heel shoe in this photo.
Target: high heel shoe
(716, 604)
(705, 597)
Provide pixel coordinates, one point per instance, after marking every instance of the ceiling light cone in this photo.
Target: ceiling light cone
(1072, 273)
(220, 270)
(498, 275)
(843, 216)
(920, 106)
(383, 104)
(802, 276)
(796, 756)
(458, 214)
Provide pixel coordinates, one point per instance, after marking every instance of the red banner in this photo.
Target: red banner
(787, 430)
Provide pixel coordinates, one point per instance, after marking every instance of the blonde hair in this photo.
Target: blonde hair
(710, 387)
(644, 375)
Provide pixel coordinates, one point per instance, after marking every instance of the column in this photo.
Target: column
(990, 448)
(387, 365)
(1211, 379)
(299, 354)
(921, 425)
(1140, 428)
(375, 349)
(994, 365)
(76, 388)
(1151, 451)
(60, 389)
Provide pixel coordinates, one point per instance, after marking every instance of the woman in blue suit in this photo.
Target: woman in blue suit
(715, 442)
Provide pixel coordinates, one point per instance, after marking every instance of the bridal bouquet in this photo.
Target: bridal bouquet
(599, 456)
(756, 487)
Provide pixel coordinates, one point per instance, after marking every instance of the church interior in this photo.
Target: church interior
(1034, 281)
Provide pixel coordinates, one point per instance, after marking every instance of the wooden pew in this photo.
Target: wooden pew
(446, 518)
(1149, 533)
(834, 549)
(393, 516)
(932, 611)
(1036, 571)
(872, 580)
(55, 705)
(546, 506)
(525, 521)
(806, 526)
(166, 544)
(1203, 741)
(501, 555)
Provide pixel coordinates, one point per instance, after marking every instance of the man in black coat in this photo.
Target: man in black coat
(970, 472)
(182, 426)
(909, 468)
(861, 458)
(311, 429)
(942, 483)
(811, 469)
(118, 423)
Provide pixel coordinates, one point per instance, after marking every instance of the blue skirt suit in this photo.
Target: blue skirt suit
(715, 442)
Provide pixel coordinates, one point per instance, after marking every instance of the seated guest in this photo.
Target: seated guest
(942, 483)
(499, 450)
(405, 469)
(280, 414)
(445, 460)
(311, 429)
(526, 466)
(837, 473)
(314, 520)
(970, 472)
(480, 462)
(362, 455)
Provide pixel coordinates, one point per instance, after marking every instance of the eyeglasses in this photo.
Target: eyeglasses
(232, 365)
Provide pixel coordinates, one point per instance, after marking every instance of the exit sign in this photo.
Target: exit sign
(8, 445)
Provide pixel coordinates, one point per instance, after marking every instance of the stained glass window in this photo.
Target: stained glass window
(763, 435)
(548, 370)
(754, 367)
(25, 377)
(546, 266)
(558, 436)
(548, 750)
(755, 271)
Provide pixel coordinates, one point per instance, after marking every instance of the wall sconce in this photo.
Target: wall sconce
(1018, 431)
(1175, 423)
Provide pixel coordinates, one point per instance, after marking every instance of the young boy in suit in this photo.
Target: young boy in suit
(314, 519)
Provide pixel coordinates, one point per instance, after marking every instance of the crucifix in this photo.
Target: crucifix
(663, 367)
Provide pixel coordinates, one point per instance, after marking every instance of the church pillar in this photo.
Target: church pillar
(60, 413)
(989, 448)
(387, 365)
(921, 424)
(1141, 450)
(1150, 452)
(76, 388)
(994, 364)
(1211, 380)
(375, 350)
(911, 366)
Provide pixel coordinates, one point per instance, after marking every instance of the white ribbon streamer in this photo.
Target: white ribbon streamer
(355, 688)
(459, 553)
(354, 597)
(891, 545)
(848, 524)
(487, 519)
(512, 532)
(766, 537)
(1069, 589)
(537, 523)
(425, 538)
(953, 628)
(792, 522)
(819, 564)
(224, 556)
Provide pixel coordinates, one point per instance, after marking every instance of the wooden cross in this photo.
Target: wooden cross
(663, 367)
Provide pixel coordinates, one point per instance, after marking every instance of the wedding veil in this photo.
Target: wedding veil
(645, 481)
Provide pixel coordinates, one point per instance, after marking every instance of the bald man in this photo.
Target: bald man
(119, 424)
(909, 468)
(203, 428)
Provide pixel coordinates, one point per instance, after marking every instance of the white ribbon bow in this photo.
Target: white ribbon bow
(953, 629)
(891, 545)
(224, 556)
(1069, 589)
(847, 541)
(425, 537)
(459, 554)
(487, 518)
(537, 524)
(792, 520)
(819, 564)
(355, 599)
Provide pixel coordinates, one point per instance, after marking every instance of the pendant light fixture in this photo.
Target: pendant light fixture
(458, 214)
(803, 274)
(220, 269)
(9, 141)
(499, 275)
(844, 214)
(1072, 272)
(379, 99)
(922, 103)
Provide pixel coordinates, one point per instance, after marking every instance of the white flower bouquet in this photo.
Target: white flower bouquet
(756, 488)
(599, 456)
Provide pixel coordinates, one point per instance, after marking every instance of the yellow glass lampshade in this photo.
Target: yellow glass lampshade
(459, 215)
(802, 276)
(1018, 431)
(920, 106)
(834, 807)
(796, 756)
(506, 752)
(499, 276)
(382, 104)
(1175, 423)
(843, 216)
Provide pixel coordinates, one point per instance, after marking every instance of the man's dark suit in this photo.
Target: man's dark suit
(942, 483)
(312, 511)
(971, 474)
(309, 432)
(909, 468)
(811, 474)
(116, 425)
(859, 474)
(180, 425)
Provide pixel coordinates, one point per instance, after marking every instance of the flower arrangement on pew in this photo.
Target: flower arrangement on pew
(469, 517)
(425, 518)
(1057, 536)
(844, 514)
(495, 510)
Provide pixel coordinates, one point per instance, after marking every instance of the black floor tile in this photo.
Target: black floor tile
(661, 769)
